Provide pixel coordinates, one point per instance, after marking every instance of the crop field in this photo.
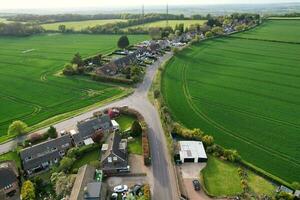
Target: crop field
(78, 25)
(171, 23)
(246, 93)
(30, 87)
(278, 30)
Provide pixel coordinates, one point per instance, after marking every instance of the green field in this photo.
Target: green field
(31, 90)
(171, 23)
(279, 30)
(78, 25)
(246, 93)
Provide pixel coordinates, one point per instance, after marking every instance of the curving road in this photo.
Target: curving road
(164, 181)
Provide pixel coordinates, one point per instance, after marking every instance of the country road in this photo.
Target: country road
(164, 187)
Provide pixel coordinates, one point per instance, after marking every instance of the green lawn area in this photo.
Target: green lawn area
(260, 185)
(125, 122)
(221, 178)
(78, 25)
(87, 158)
(135, 147)
(12, 155)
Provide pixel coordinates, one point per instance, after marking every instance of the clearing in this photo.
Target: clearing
(31, 91)
(245, 93)
(79, 25)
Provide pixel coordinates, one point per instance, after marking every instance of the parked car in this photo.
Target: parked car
(121, 188)
(114, 196)
(196, 184)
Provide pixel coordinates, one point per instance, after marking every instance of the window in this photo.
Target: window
(109, 159)
(115, 158)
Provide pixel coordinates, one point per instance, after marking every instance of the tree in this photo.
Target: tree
(136, 129)
(17, 128)
(66, 164)
(52, 132)
(62, 28)
(28, 191)
(208, 140)
(77, 59)
(217, 30)
(296, 185)
(155, 33)
(123, 42)
(208, 34)
(68, 69)
(63, 183)
(97, 137)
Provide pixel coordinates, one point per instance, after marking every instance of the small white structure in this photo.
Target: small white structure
(192, 151)
(104, 147)
(73, 132)
(88, 141)
(115, 125)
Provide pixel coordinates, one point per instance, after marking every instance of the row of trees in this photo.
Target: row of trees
(19, 29)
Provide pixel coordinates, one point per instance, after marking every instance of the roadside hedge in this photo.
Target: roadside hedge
(107, 79)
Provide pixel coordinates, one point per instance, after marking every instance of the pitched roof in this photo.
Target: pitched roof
(45, 147)
(7, 176)
(93, 190)
(35, 162)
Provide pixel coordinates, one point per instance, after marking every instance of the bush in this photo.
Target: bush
(65, 164)
(208, 34)
(102, 78)
(52, 132)
(156, 94)
(37, 137)
(136, 129)
(147, 192)
(69, 70)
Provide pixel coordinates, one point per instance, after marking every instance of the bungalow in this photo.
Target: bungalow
(192, 151)
(41, 156)
(114, 158)
(87, 128)
(9, 183)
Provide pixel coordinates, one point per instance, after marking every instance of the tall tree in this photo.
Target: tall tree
(77, 59)
(17, 128)
(28, 191)
(123, 42)
(52, 132)
(136, 129)
(62, 28)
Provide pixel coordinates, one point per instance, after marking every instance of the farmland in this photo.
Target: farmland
(171, 23)
(31, 88)
(78, 25)
(245, 93)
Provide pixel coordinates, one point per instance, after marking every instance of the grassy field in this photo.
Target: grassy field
(279, 30)
(171, 23)
(135, 146)
(245, 93)
(221, 179)
(31, 91)
(78, 25)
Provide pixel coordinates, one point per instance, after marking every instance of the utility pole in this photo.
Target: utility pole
(167, 14)
(143, 15)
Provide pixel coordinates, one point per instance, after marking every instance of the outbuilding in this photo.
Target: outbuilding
(192, 151)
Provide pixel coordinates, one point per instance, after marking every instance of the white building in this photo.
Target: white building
(115, 125)
(192, 151)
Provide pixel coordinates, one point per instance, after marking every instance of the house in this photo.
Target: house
(192, 151)
(87, 128)
(114, 158)
(88, 185)
(283, 188)
(41, 156)
(9, 182)
(297, 194)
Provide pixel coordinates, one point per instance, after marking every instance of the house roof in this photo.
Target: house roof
(88, 127)
(7, 175)
(192, 149)
(35, 162)
(84, 176)
(46, 147)
(93, 190)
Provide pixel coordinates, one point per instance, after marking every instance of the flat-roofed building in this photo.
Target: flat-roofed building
(192, 151)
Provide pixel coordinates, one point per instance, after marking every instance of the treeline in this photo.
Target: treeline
(77, 17)
(19, 29)
(294, 14)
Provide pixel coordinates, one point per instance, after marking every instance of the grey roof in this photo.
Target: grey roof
(36, 162)
(115, 151)
(84, 176)
(93, 190)
(88, 127)
(45, 147)
(7, 177)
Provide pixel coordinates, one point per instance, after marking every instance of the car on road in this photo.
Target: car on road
(196, 185)
(121, 188)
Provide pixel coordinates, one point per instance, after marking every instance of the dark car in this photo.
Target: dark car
(196, 184)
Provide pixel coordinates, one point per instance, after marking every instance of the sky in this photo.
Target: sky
(51, 4)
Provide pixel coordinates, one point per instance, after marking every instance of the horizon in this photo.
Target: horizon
(117, 4)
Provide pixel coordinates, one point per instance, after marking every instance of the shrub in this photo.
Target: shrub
(52, 132)
(69, 70)
(208, 34)
(136, 129)
(28, 191)
(65, 164)
(147, 192)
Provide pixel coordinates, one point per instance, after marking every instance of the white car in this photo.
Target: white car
(121, 188)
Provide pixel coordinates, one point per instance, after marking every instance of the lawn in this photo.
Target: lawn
(221, 178)
(172, 23)
(125, 122)
(31, 91)
(260, 185)
(12, 155)
(135, 146)
(79, 25)
(93, 155)
(245, 93)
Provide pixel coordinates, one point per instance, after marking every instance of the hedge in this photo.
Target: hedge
(102, 78)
